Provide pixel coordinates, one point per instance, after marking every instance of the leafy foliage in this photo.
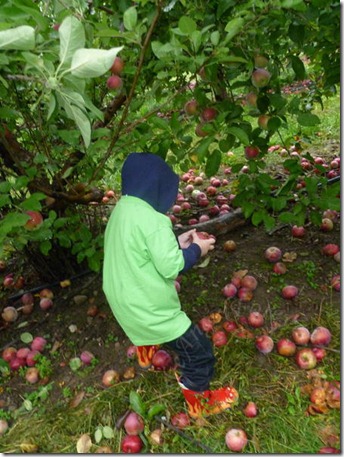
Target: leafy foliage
(64, 134)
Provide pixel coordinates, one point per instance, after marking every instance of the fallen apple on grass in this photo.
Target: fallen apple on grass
(236, 439)
(219, 338)
(286, 347)
(305, 359)
(250, 409)
(134, 424)
(321, 336)
(162, 360)
(180, 420)
(9, 314)
(131, 444)
(264, 344)
(273, 254)
(110, 377)
(3, 426)
(206, 324)
(255, 319)
(290, 292)
(301, 335)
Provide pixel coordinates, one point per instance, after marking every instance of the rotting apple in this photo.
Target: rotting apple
(245, 294)
(110, 377)
(330, 249)
(180, 420)
(229, 326)
(229, 245)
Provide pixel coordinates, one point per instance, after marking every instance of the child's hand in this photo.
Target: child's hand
(205, 244)
(185, 239)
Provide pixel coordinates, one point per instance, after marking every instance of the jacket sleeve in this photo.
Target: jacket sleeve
(191, 256)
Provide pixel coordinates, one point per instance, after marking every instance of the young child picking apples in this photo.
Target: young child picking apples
(142, 259)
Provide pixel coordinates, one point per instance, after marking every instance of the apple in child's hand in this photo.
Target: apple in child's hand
(236, 439)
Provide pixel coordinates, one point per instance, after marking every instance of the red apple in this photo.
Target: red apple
(298, 231)
(326, 225)
(330, 249)
(250, 409)
(180, 420)
(206, 324)
(318, 395)
(264, 344)
(236, 439)
(290, 292)
(162, 360)
(335, 283)
(86, 357)
(23, 352)
(245, 294)
(110, 377)
(229, 326)
(320, 353)
(249, 281)
(208, 114)
(45, 303)
(229, 290)
(199, 130)
(260, 61)
(301, 335)
(279, 268)
(114, 82)
(255, 319)
(9, 353)
(251, 99)
(17, 363)
(251, 152)
(260, 78)
(32, 375)
(32, 357)
(131, 444)
(117, 66)
(27, 298)
(321, 336)
(273, 254)
(36, 219)
(134, 424)
(219, 338)
(263, 121)
(305, 358)
(191, 107)
(329, 450)
(286, 347)
(38, 343)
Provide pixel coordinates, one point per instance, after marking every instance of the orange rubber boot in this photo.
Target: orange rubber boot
(210, 401)
(145, 355)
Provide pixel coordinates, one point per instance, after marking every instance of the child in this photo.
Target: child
(142, 259)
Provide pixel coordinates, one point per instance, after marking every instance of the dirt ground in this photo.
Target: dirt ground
(69, 329)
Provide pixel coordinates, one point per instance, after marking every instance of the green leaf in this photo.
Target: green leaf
(215, 38)
(296, 33)
(213, 163)
(308, 119)
(298, 67)
(232, 28)
(75, 363)
(91, 63)
(258, 217)
(81, 120)
(72, 38)
(98, 435)
(202, 148)
(130, 18)
(20, 38)
(108, 432)
(196, 38)
(297, 5)
(187, 25)
(26, 337)
(155, 409)
(136, 403)
(240, 134)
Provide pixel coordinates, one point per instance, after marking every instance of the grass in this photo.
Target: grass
(273, 382)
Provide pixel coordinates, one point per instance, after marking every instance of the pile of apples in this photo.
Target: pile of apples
(26, 357)
(10, 313)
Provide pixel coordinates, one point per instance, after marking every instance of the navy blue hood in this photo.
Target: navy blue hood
(147, 176)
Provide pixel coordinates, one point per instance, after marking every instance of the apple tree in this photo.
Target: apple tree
(84, 83)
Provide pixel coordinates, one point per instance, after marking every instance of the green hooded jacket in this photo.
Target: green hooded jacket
(142, 257)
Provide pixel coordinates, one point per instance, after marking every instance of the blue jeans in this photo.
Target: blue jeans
(196, 359)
